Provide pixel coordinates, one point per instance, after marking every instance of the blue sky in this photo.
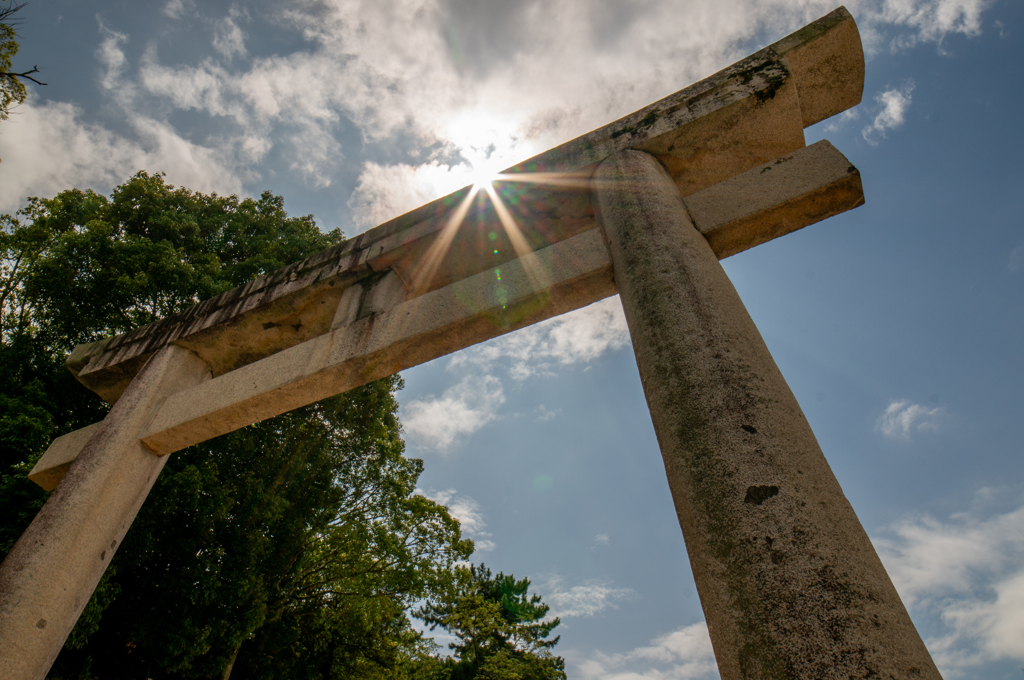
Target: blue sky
(899, 325)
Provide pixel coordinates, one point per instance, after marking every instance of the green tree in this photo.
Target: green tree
(12, 90)
(80, 266)
(501, 630)
(291, 548)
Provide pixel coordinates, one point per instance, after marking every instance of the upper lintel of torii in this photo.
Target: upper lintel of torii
(718, 138)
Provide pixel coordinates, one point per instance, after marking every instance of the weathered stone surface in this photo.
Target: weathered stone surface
(790, 585)
(765, 202)
(776, 198)
(62, 452)
(747, 114)
(47, 578)
(577, 272)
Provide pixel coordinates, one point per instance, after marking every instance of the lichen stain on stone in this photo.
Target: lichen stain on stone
(774, 74)
(645, 123)
(759, 494)
(624, 131)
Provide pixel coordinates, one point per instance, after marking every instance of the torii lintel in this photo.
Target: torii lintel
(733, 143)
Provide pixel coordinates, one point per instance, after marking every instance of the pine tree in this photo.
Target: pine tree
(500, 629)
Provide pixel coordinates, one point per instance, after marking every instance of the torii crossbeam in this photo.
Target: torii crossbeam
(644, 207)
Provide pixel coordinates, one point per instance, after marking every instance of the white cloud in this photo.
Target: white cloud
(902, 419)
(544, 414)
(684, 654)
(464, 408)
(467, 511)
(964, 577)
(176, 9)
(228, 38)
(579, 336)
(893, 105)
(933, 20)
(201, 87)
(48, 148)
(587, 599)
(601, 540)
(111, 57)
(52, 146)
(383, 192)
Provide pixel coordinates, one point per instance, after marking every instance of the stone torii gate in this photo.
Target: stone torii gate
(644, 207)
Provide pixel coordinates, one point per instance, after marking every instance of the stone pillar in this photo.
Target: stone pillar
(48, 577)
(790, 585)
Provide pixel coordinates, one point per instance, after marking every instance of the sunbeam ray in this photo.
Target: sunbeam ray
(531, 265)
(425, 272)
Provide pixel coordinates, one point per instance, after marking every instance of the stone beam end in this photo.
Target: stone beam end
(776, 198)
(62, 452)
(827, 59)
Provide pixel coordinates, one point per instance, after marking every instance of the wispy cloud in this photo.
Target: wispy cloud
(544, 414)
(467, 511)
(111, 57)
(892, 110)
(683, 654)
(587, 599)
(1016, 258)
(438, 423)
(929, 20)
(176, 9)
(580, 336)
(51, 147)
(228, 38)
(902, 419)
(964, 576)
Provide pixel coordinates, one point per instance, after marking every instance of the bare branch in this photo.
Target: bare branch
(35, 69)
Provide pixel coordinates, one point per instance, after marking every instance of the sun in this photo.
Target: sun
(483, 143)
(484, 178)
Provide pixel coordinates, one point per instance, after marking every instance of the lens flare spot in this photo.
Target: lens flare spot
(542, 483)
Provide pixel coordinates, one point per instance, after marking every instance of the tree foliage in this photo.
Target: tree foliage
(500, 629)
(80, 266)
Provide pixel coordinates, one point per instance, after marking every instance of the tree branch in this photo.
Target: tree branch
(35, 69)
